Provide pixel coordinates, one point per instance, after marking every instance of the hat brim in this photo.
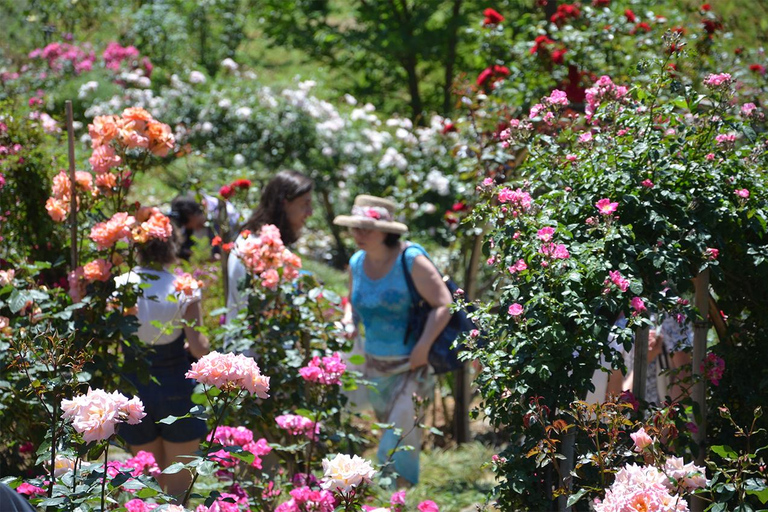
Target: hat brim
(353, 221)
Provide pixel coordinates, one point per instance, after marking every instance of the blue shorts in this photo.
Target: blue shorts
(170, 396)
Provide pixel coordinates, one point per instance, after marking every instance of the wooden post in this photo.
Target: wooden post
(461, 388)
(640, 370)
(73, 186)
(699, 392)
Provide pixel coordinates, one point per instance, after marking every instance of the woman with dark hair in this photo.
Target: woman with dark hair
(173, 302)
(396, 359)
(286, 202)
(188, 216)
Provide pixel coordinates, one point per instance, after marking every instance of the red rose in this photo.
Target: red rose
(711, 26)
(484, 76)
(557, 55)
(630, 16)
(241, 183)
(540, 42)
(449, 128)
(601, 3)
(757, 68)
(226, 191)
(641, 26)
(706, 7)
(492, 17)
(564, 12)
(458, 206)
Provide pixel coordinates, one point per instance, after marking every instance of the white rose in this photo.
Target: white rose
(229, 64)
(238, 160)
(342, 473)
(196, 77)
(225, 103)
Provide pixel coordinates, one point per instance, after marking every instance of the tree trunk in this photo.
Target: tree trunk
(450, 56)
(409, 64)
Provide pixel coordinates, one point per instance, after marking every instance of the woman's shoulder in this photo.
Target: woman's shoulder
(356, 258)
(412, 251)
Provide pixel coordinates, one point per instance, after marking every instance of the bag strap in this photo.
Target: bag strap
(409, 279)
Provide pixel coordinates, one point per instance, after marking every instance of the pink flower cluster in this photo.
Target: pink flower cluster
(59, 55)
(615, 277)
(687, 476)
(554, 251)
(115, 55)
(517, 130)
(726, 139)
(299, 426)
(228, 371)
(603, 90)
(713, 368)
(550, 106)
(138, 505)
(242, 437)
(142, 463)
(327, 371)
(227, 502)
(519, 201)
(519, 266)
(264, 254)
(640, 488)
(305, 498)
(97, 413)
(428, 506)
(718, 80)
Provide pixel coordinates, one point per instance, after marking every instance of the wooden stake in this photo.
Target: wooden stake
(701, 326)
(73, 187)
(640, 371)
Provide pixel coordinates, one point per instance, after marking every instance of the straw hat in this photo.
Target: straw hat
(370, 212)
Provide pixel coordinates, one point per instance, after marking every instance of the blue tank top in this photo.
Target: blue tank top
(383, 304)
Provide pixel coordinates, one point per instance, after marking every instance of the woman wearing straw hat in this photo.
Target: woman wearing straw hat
(396, 360)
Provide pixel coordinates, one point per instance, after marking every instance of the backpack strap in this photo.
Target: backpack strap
(409, 279)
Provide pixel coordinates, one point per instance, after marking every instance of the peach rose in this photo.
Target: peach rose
(62, 186)
(106, 234)
(103, 130)
(6, 277)
(106, 181)
(58, 209)
(136, 114)
(97, 270)
(187, 285)
(103, 159)
(156, 226)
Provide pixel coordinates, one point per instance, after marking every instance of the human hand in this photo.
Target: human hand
(654, 345)
(419, 356)
(349, 328)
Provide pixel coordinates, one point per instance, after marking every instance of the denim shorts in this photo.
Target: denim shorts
(170, 396)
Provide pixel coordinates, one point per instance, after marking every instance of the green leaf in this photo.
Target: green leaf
(357, 359)
(207, 468)
(762, 495)
(725, 452)
(169, 420)
(573, 498)
(174, 468)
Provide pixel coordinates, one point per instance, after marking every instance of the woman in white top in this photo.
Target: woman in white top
(169, 359)
(286, 202)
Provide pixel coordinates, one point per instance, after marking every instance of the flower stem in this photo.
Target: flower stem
(104, 478)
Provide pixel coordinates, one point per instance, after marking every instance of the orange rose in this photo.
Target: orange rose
(97, 270)
(161, 139)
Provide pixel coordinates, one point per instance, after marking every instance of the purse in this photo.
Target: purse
(443, 356)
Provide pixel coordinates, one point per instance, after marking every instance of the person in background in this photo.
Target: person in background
(174, 302)
(396, 359)
(188, 216)
(286, 202)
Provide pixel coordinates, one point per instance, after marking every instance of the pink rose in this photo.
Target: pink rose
(638, 305)
(545, 234)
(606, 207)
(515, 310)
(641, 439)
(428, 506)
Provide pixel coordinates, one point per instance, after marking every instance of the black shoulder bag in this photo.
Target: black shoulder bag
(443, 356)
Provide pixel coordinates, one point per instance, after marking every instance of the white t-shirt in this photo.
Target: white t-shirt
(236, 272)
(153, 304)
